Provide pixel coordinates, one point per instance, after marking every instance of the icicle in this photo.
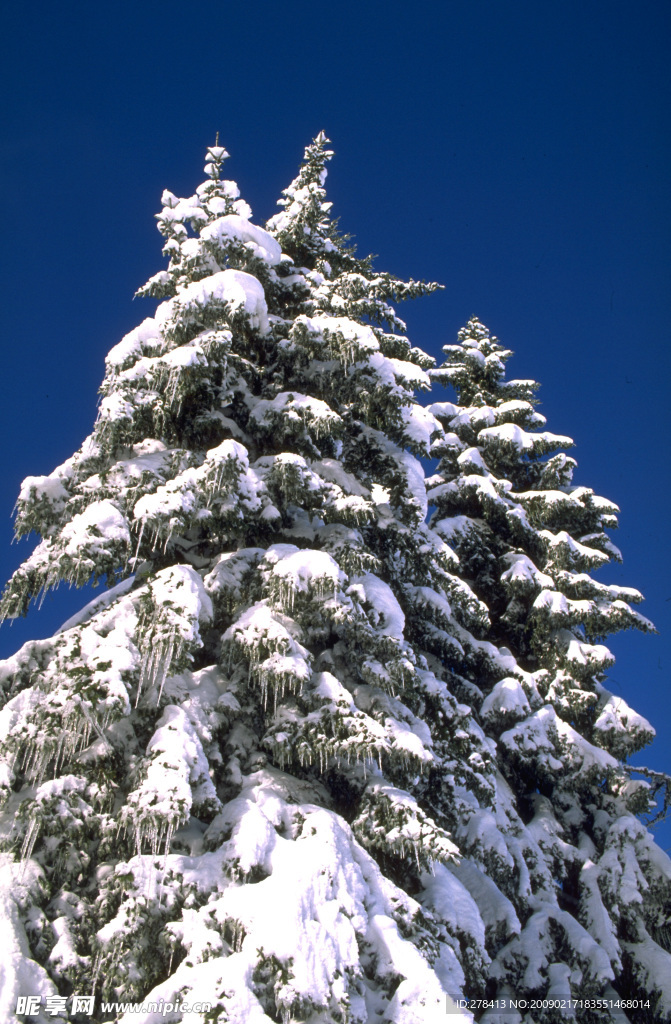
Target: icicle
(96, 727)
(139, 541)
(166, 661)
(156, 663)
(141, 677)
(171, 388)
(29, 841)
(60, 749)
(154, 838)
(168, 538)
(97, 964)
(170, 831)
(38, 761)
(138, 837)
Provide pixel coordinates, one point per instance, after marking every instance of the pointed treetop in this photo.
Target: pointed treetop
(304, 228)
(206, 230)
(214, 159)
(315, 158)
(475, 367)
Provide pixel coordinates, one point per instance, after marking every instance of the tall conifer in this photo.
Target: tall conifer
(528, 539)
(216, 772)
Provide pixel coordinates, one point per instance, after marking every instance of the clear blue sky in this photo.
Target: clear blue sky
(517, 152)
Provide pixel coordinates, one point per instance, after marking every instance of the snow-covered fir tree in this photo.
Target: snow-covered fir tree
(309, 758)
(587, 893)
(233, 776)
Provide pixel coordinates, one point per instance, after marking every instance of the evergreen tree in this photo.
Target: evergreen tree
(233, 776)
(584, 894)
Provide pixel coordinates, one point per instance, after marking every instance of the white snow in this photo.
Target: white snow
(594, 915)
(100, 523)
(180, 604)
(176, 775)
(523, 574)
(451, 901)
(511, 435)
(50, 487)
(444, 410)
(227, 576)
(97, 605)
(292, 408)
(239, 290)
(652, 968)
(333, 470)
(411, 376)
(20, 975)
(307, 571)
(345, 339)
(496, 911)
(238, 229)
(471, 461)
(555, 746)
(506, 702)
(535, 949)
(419, 425)
(384, 611)
(147, 334)
(328, 899)
(617, 721)
(224, 477)
(413, 472)
(584, 658)
(276, 659)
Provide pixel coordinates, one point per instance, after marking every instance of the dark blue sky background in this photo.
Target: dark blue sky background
(517, 152)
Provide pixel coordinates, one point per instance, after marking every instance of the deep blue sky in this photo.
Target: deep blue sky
(517, 152)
